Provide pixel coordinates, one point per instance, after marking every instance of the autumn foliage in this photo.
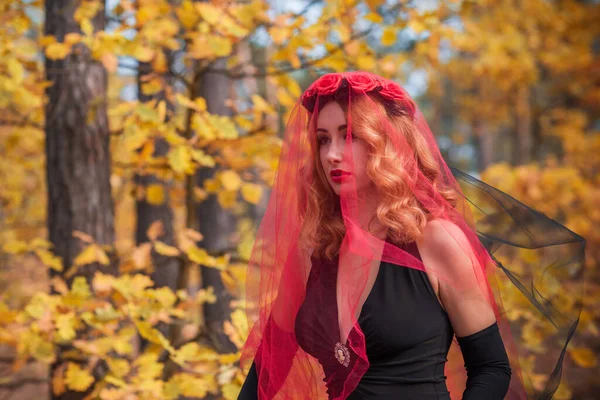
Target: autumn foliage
(510, 88)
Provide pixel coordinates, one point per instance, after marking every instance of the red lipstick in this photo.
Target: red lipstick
(337, 175)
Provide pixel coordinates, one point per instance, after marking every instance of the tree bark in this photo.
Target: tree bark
(522, 142)
(484, 143)
(77, 142)
(216, 224)
(165, 268)
(77, 150)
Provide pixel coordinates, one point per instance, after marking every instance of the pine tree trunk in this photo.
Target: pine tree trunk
(77, 150)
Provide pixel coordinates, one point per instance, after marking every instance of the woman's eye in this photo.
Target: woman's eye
(322, 140)
(353, 136)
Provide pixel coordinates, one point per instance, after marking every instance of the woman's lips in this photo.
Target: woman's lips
(337, 175)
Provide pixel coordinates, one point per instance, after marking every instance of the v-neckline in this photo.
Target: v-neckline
(337, 309)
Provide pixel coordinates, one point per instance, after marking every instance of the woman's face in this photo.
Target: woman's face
(331, 139)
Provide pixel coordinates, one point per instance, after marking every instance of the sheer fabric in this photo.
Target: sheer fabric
(307, 223)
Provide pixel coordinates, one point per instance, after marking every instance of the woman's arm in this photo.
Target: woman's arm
(269, 377)
(447, 254)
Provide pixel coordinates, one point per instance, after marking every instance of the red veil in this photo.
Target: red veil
(514, 251)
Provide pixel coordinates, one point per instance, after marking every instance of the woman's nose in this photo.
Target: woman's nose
(336, 151)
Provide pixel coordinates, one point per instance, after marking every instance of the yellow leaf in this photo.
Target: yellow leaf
(192, 386)
(200, 256)
(279, 34)
(229, 358)
(155, 194)
(389, 35)
(227, 199)
(110, 61)
(129, 285)
(58, 381)
(15, 247)
(193, 235)
(159, 63)
(84, 237)
(57, 51)
(102, 283)
(49, 259)
(209, 12)
(260, 105)
(165, 249)
(40, 348)
(164, 296)
(147, 113)
(40, 243)
(162, 110)
(143, 53)
(141, 255)
(15, 69)
(72, 38)
(154, 86)
(180, 159)
(202, 158)
(373, 4)
(91, 254)
(416, 25)
(78, 379)
(25, 100)
(184, 101)
(251, 192)
(47, 40)
(374, 17)
(583, 357)
(187, 14)
(86, 27)
(230, 180)
(200, 103)
(118, 366)
(148, 366)
(59, 284)
(65, 324)
(230, 391)
(80, 288)
(155, 230)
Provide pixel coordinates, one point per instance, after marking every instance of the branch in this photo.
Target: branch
(11, 383)
(290, 68)
(307, 64)
(267, 24)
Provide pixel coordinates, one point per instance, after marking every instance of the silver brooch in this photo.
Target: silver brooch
(342, 354)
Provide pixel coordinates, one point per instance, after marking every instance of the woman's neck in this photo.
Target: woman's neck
(368, 220)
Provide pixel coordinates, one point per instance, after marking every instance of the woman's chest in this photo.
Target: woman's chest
(400, 311)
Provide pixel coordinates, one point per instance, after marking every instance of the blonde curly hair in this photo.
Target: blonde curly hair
(398, 209)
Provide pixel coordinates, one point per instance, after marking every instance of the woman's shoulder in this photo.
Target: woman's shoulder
(443, 236)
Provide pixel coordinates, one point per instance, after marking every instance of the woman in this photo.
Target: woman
(368, 262)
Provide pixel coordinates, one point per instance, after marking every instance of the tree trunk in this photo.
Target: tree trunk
(166, 269)
(484, 143)
(522, 131)
(77, 143)
(216, 224)
(77, 150)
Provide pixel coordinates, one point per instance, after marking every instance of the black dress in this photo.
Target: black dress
(407, 334)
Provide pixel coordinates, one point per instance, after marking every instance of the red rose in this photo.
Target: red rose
(361, 81)
(392, 91)
(326, 84)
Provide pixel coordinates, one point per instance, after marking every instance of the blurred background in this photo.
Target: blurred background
(138, 141)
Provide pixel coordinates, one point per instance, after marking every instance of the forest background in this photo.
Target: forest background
(138, 140)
